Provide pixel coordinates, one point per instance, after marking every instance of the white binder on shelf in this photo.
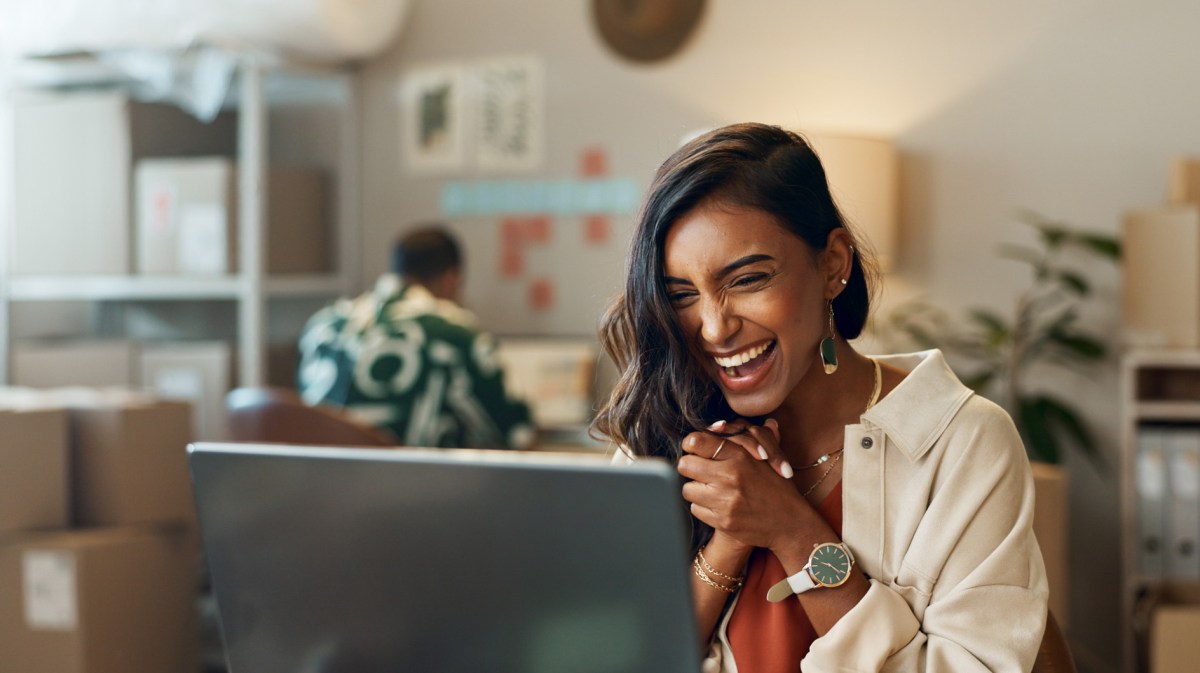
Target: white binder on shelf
(1150, 473)
(1183, 510)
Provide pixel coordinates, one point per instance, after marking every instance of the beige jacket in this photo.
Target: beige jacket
(937, 506)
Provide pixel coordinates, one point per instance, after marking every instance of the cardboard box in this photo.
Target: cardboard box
(198, 373)
(187, 215)
(1160, 252)
(1051, 527)
(554, 376)
(34, 469)
(54, 364)
(1183, 181)
(1174, 645)
(120, 600)
(129, 457)
(76, 152)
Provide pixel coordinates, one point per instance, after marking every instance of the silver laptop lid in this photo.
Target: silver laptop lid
(338, 561)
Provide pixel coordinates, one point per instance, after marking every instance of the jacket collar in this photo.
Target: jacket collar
(915, 414)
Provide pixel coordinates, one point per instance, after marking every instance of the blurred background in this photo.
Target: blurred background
(183, 183)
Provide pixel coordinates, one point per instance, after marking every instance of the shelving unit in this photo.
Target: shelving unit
(1157, 388)
(251, 288)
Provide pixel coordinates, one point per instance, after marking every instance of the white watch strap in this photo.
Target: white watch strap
(793, 584)
(802, 581)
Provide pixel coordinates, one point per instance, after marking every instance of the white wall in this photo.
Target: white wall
(1072, 108)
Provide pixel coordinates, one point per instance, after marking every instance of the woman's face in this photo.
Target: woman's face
(751, 299)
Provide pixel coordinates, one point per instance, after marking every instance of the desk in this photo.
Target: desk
(569, 438)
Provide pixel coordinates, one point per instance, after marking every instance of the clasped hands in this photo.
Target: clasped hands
(747, 492)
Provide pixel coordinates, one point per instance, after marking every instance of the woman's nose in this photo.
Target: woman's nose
(717, 322)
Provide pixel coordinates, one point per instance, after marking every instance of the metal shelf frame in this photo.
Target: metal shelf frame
(1136, 410)
(251, 287)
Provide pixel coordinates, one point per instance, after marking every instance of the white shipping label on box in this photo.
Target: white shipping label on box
(179, 383)
(203, 247)
(49, 580)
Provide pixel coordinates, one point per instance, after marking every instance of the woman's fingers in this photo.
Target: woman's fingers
(761, 443)
(732, 430)
(698, 492)
(772, 425)
(766, 439)
(702, 444)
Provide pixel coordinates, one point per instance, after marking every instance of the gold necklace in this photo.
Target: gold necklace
(821, 461)
(832, 464)
(837, 455)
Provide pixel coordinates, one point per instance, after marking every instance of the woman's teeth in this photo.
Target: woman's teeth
(741, 358)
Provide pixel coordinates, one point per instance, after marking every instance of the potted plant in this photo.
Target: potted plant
(996, 355)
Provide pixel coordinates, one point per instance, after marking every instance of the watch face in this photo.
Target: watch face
(830, 565)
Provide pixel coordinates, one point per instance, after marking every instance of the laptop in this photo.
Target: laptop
(332, 560)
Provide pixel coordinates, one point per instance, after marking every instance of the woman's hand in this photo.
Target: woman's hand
(739, 493)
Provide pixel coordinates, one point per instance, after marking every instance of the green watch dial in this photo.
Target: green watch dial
(830, 564)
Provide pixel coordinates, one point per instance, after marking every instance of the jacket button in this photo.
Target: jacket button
(867, 442)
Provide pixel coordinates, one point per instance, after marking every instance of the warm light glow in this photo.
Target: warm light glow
(863, 175)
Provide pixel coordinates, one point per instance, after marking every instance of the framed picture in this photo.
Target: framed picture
(509, 114)
(433, 119)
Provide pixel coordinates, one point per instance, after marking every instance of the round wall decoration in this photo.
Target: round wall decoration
(646, 30)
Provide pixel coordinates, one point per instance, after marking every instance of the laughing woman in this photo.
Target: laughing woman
(850, 513)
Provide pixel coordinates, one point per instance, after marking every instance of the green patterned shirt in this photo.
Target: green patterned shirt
(417, 366)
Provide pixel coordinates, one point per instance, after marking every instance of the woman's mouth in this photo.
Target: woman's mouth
(746, 363)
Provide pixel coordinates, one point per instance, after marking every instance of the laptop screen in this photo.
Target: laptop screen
(337, 560)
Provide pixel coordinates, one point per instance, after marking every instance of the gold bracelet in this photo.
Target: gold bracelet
(718, 573)
(709, 581)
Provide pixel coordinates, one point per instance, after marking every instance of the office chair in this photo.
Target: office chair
(1054, 655)
(279, 416)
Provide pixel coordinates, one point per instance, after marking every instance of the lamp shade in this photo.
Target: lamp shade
(863, 176)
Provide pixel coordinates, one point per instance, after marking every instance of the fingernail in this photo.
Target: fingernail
(786, 469)
(762, 453)
(772, 421)
(719, 425)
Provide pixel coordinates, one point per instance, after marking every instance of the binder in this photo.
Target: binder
(1183, 511)
(1150, 473)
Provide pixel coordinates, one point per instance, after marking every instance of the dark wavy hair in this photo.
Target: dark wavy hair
(662, 393)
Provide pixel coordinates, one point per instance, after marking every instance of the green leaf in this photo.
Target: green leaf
(1074, 281)
(1019, 253)
(981, 380)
(1035, 428)
(1060, 419)
(1053, 234)
(1105, 246)
(992, 323)
(1077, 344)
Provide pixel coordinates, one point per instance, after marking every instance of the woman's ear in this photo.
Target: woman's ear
(837, 261)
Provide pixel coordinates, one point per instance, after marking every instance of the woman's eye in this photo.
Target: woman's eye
(680, 297)
(750, 279)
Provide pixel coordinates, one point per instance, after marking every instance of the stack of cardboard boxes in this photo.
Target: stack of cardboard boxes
(99, 552)
(197, 372)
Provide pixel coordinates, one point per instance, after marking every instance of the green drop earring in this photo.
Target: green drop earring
(829, 347)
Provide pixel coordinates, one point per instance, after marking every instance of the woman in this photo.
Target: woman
(850, 513)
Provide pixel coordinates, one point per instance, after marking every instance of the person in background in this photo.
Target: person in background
(850, 513)
(409, 359)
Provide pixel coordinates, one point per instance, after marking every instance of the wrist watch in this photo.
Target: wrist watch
(828, 565)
